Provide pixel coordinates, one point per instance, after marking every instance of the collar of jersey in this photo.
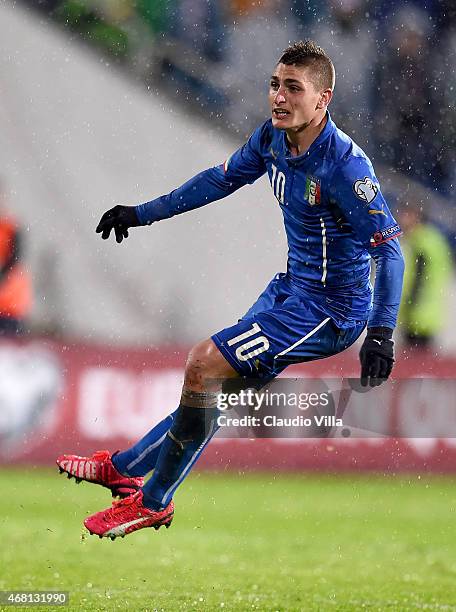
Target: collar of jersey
(327, 131)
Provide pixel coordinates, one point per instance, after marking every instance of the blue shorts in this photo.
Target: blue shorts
(283, 327)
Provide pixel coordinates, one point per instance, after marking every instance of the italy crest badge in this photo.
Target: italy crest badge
(313, 190)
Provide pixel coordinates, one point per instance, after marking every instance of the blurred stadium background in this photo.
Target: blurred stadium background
(117, 101)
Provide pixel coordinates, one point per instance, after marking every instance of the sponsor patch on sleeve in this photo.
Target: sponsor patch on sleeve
(386, 234)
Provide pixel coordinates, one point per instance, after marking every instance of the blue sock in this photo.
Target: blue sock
(141, 458)
(191, 431)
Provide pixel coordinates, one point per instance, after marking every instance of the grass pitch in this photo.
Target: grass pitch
(240, 542)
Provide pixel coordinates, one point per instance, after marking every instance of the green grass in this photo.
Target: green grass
(240, 542)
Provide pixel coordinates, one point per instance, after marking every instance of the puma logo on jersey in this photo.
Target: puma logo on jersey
(226, 164)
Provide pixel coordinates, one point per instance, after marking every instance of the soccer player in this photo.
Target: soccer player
(336, 220)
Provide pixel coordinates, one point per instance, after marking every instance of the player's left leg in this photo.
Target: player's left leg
(193, 427)
(99, 469)
(121, 472)
(140, 459)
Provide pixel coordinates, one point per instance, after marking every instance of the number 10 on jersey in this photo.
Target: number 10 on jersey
(278, 184)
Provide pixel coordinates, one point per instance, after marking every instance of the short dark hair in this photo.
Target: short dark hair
(307, 53)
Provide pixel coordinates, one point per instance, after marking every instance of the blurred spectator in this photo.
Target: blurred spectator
(307, 14)
(383, 10)
(188, 61)
(444, 75)
(258, 36)
(15, 286)
(404, 114)
(199, 25)
(444, 18)
(427, 275)
(156, 13)
(45, 5)
(350, 41)
(89, 22)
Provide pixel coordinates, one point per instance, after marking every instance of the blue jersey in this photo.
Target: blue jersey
(335, 218)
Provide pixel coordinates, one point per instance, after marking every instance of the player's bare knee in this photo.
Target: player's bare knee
(200, 364)
(204, 365)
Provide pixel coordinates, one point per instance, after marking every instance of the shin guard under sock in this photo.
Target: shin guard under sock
(190, 432)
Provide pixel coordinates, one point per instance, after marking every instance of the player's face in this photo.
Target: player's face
(295, 101)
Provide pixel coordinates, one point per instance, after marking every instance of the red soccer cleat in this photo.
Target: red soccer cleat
(99, 469)
(126, 516)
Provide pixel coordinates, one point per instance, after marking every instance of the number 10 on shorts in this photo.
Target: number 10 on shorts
(252, 347)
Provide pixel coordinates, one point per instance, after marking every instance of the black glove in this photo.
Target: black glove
(376, 356)
(119, 219)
